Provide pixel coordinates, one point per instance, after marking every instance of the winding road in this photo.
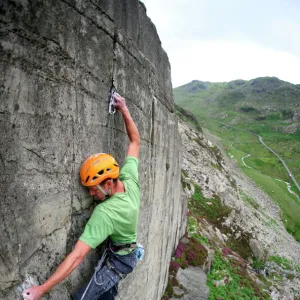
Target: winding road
(244, 161)
(271, 150)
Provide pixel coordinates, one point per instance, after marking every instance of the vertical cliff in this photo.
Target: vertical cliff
(57, 62)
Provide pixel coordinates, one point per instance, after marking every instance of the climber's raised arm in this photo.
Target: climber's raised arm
(132, 131)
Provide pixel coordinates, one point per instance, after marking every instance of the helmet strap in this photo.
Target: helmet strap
(105, 193)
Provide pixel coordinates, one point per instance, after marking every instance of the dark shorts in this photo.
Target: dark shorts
(108, 277)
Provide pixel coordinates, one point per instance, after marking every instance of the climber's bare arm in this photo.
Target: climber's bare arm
(70, 263)
(132, 131)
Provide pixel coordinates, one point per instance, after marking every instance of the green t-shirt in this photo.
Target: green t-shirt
(117, 217)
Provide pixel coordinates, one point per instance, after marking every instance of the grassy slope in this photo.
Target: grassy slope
(239, 285)
(229, 260)
(216, 103)
(217, 99)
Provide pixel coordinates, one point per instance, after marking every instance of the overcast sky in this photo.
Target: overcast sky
(223, 40)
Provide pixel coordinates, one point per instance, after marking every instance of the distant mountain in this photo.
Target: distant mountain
(266, 106)
(196, 86)
(259, 99)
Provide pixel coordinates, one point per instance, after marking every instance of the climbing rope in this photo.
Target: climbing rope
(99, 266)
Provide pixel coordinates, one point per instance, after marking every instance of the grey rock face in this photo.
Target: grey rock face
(256, 249)
(292, 128)
(57, 62)
(193, 281)
(296, 116)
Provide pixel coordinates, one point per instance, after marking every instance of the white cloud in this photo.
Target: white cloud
(219, 61)
(218, 41)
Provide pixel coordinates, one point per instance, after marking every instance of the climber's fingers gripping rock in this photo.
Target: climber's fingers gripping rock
(120, 102)
(33, 293)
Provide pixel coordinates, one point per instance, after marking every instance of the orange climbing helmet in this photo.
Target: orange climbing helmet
(98, 167)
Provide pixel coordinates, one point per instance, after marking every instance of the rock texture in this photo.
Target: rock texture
(57, 62)
(193, 280)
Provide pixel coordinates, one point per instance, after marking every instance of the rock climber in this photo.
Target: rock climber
(115, 218)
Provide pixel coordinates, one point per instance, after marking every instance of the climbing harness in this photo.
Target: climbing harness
(109, 263)
(116, 248)
(99, 266)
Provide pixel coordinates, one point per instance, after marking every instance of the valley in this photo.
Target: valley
(238, 113)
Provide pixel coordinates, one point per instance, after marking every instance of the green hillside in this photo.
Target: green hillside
(264, 95)
(265, 106)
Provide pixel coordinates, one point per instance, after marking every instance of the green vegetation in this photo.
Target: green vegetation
(190, 253)
(282, 262)
(262, 106)
(228, 278)
(216, 166)
(288, 203)
(188, 117)
(238, 283)
(210, 209)
(285, 263)
(249, 200)
(258, 264)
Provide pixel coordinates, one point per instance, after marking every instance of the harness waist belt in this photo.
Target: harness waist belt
(124, 246)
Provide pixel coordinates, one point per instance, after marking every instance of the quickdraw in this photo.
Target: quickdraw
(112, 108)
(111, 120)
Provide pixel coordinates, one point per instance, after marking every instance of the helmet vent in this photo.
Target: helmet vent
(115, 165)
(95, 177)
(108, 169)
(87, 179)
(101, 172)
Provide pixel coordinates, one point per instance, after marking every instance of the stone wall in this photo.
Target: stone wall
(57, 62)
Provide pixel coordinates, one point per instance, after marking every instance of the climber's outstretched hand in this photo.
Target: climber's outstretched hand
(120, 103)
(33, 293)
